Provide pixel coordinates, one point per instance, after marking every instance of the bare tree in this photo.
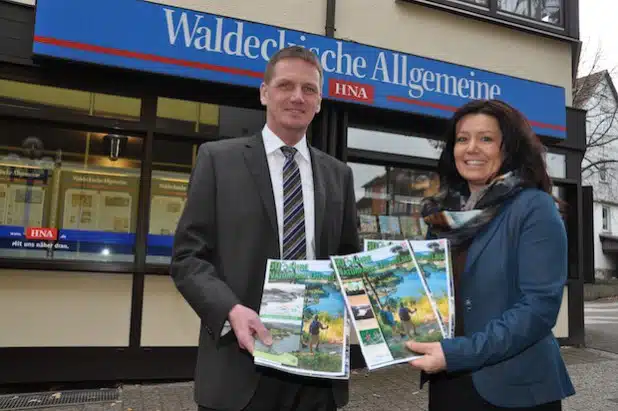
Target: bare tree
(594, 91)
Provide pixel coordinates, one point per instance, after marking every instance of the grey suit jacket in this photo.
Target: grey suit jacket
(226, 233)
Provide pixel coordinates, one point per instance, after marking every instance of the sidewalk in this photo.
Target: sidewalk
(593, 373)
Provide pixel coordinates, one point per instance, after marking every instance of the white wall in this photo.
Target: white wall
(604, 262)
(602, 137)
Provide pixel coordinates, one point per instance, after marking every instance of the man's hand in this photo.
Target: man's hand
(246, 323)
(432, 361)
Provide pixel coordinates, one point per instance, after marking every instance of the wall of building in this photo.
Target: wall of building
(414, 29)
(604, 264)
(64, 309)
(602, 137)
(426, 32)
(303, 15)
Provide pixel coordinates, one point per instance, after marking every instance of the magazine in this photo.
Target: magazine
(433, 259)
(304, 310)
(388, 303)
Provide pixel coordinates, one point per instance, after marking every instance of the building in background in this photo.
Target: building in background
(103, 104)
(597, 95)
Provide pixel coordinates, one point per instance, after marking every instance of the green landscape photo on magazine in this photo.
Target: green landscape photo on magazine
(303, 308)
(388, 302)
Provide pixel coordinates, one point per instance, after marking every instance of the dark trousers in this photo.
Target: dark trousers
(449, 392)
(278, 391)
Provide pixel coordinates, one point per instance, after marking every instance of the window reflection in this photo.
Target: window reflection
(172, 165)
(393, 143)
(67, 194)
(173, 161)
(67, 101)
(556, 165)
(388, 200)
(548, 11)
(479, 2)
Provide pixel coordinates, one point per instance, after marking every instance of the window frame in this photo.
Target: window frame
(568, 30)
(605, 219)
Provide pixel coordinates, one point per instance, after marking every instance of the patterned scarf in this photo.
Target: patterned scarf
(451, 215)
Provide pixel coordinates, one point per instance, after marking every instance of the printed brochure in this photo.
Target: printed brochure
(389, 303)
(304, 310)
(433, 260)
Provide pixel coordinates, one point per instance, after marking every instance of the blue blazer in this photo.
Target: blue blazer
(511, 292)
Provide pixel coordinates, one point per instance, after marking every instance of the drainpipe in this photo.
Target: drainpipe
(330, 17)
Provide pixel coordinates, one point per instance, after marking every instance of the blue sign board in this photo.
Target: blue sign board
(146, 36)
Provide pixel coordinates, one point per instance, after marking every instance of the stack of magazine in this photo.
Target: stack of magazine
(391, 293)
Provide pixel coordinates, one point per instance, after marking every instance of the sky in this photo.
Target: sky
(598, 28)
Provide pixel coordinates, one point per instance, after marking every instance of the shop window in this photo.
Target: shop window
(388, 200)
(67, 194)
(394, 143)
(55, 99)
(173, 161)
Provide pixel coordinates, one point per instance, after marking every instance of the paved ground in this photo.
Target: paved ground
(593, 373)
(601, 321)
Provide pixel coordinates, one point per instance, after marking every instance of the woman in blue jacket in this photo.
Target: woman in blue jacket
(509, 264)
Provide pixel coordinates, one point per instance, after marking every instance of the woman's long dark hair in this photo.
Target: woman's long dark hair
(521, 148)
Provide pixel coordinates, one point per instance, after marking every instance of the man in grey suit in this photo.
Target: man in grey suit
(250, 199)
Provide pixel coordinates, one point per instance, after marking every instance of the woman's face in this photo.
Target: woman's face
(477, 151)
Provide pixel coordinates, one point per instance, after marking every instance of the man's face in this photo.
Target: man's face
(293, 95)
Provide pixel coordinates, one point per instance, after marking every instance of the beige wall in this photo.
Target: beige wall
(414, 29)
(167, 319)
(561, 329)
(427, 32)
(302, 15)
(64, 309)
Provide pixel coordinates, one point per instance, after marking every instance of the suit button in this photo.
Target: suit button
(468, 304)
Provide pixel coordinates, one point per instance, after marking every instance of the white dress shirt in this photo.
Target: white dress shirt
(276, 160)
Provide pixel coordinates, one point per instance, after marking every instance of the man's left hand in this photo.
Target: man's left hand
(433, 359)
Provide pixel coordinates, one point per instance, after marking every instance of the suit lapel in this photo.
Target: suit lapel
(255, 158)
(319, 191)
(477, 246)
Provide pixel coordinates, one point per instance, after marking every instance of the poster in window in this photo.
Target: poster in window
(167, 203)
(23, 196)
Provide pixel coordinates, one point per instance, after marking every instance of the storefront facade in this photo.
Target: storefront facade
(103, 105)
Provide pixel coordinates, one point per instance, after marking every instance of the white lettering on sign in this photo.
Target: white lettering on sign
(41, 233)
(192, 30)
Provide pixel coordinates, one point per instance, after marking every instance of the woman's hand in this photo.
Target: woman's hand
(432, 361)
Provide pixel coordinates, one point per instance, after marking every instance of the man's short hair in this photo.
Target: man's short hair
(298, 52)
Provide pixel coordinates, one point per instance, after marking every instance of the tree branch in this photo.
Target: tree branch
(596, 164)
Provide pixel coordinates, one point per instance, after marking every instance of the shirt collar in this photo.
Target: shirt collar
(273, 143)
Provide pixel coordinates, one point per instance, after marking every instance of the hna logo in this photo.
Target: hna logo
(41, 233)
(351, 91)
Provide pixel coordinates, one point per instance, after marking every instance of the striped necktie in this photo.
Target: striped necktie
(294, 244)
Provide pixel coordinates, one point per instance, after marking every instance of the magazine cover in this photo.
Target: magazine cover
(433, 260)
(304, 310)
(368, 223)
(389, 225)
(388, 303)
